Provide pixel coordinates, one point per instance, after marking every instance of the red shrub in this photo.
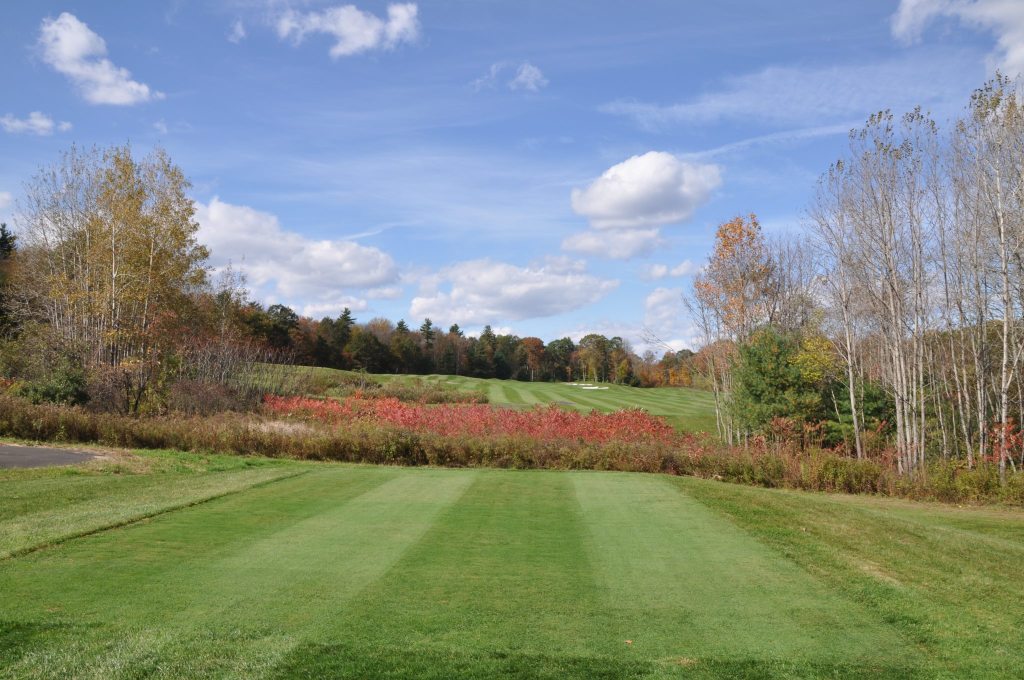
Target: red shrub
(480, 420)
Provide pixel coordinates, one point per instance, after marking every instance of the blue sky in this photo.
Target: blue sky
(550, 168)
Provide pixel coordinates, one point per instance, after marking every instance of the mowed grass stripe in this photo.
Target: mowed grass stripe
(100, 505)
(509, 394)
(684, 582)
(503, 588)
(349, 546)
(158, 559)
(947, 578)
(289, 561)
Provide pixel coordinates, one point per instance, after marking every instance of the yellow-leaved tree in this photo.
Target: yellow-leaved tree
(109, 253)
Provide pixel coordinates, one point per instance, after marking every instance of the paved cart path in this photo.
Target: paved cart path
(12, 456)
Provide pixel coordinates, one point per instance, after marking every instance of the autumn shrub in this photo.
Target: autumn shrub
(362, 440)
(540, 423)
(198, 397)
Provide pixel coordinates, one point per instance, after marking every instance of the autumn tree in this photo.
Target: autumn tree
(593, 357)
(109, 255)
(736, 282)
(731, 297)
(534, 348)
(559, 360)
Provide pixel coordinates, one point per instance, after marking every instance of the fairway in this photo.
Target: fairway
(313, 570)
(686, 408)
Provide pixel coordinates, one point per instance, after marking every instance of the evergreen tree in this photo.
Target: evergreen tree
(769, 382)
(427, 333)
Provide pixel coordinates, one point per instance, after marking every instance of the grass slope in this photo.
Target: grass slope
(48, 505)
(687, 409)
(350, 571)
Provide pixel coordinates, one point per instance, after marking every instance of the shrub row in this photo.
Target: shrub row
(363, 442)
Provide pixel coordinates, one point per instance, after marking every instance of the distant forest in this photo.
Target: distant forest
(381, 346)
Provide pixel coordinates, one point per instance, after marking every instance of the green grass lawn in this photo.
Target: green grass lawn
(275, 569)
(687, 409)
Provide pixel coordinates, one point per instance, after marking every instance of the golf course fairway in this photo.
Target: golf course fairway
(323, 570)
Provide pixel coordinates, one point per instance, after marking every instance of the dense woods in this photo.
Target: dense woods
(893, 324)
(381, 346)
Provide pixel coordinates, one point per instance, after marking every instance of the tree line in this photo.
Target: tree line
(382, 346)
(894, 322)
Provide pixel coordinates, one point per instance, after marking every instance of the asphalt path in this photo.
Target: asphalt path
(39, 456)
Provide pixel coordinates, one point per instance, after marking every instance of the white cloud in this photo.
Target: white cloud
(161, 126)
(1003, 18)
(818, 96)
(645, 191)
(664, 318)
(526, 77)
(685, 268)
(385, 293)
(663, 325)
(491, 77)
(784, 137)
(661, 271)
(37, 123)
(237, 33)
(561, 264)
(72, 48)
(614, 244)
(287, 266)
(654, 271)
(5, 199)
(497, 330)
(354, 30)
(485, 291)
(332, 308)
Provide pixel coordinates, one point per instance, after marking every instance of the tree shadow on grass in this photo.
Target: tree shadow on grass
(347, 661)
(17, 638)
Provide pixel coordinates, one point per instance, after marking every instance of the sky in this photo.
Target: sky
(548, 168)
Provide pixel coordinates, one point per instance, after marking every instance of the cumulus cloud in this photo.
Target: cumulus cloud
(1003, 18)
(37, 123)
(816, 95)
(73, 49)
(485, 291)
(287, 266)
(353, 30)
(526, 77)
(645, 191)
(661, 271)
(614, 244)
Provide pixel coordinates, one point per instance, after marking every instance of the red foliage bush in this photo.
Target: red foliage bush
(479, 420)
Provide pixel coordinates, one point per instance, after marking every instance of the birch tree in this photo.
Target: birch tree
(110, 251)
